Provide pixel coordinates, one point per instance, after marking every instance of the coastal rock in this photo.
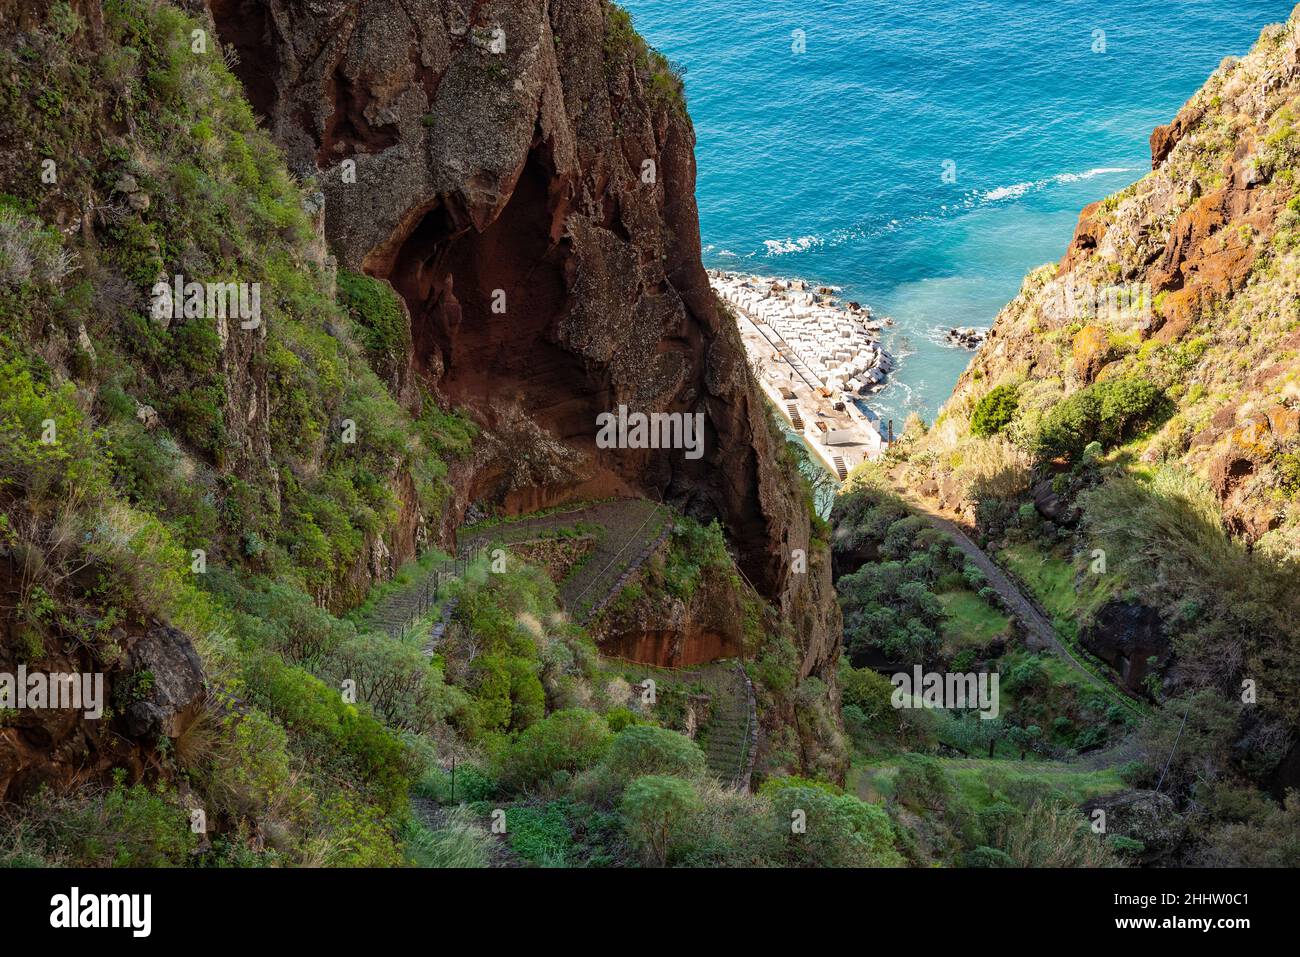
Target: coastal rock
(1186, 257)
(967, 337)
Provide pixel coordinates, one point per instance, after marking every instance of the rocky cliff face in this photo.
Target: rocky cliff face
(154, 689)
(1135, 411)
(1187, 278)
(523, 175)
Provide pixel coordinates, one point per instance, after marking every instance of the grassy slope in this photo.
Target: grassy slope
(972, 622)
(326, 777)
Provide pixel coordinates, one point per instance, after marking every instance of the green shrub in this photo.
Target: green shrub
(47, 449)
(472, 783)
(567, 741)
(1053, 834)
(619, 719)
(1109, 412)
(922, 784)
(378, 314)
(395, 679)
(871, 693)
(122, 826)
(330, 732)
(987, 857)
(811, 828)
(540, 834)
(655, 808)
(994, 411)
(359, 835)
(645, 749)
(1125, 846)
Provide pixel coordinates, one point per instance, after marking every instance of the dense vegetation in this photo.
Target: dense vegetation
(253, 492)
(969, 790)
(247, 486)
(163, 495)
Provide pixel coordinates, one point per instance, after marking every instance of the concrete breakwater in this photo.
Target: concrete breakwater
(813, 357)
(837, 343)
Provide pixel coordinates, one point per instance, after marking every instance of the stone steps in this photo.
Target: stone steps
(729, 736)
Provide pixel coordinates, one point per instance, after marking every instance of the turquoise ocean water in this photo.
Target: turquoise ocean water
(828, 164)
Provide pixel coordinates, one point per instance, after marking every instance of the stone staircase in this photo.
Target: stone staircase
(399, 611)
(627, 533)
(439, 629)
(608, 581)
(729, 737)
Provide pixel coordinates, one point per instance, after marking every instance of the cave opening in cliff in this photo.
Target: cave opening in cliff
(485, 305)
(245, 25)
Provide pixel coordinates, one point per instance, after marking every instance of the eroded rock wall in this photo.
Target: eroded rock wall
(1186, 278)
(523, 175)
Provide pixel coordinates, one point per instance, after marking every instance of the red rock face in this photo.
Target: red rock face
(1165, 138)
(672, 649)
(531, 199)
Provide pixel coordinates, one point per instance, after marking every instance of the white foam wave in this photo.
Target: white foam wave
(1016, 190)
(971, 200)
(778, 247)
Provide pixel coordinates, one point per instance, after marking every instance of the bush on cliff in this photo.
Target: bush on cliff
(644, 749)
(811, 828)
(1110, 412)
(994, 411)
(564, 742)
(656, 808)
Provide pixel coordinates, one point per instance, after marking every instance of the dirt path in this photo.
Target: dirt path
(1039, 633)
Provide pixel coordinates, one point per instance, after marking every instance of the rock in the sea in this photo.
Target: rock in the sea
(968, 337)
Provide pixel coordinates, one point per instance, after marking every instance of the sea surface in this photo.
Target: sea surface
(829, 164)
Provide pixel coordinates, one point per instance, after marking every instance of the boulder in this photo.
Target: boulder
(174, 692)
(1146, 816)
(1126, 635)
(1052, 506)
